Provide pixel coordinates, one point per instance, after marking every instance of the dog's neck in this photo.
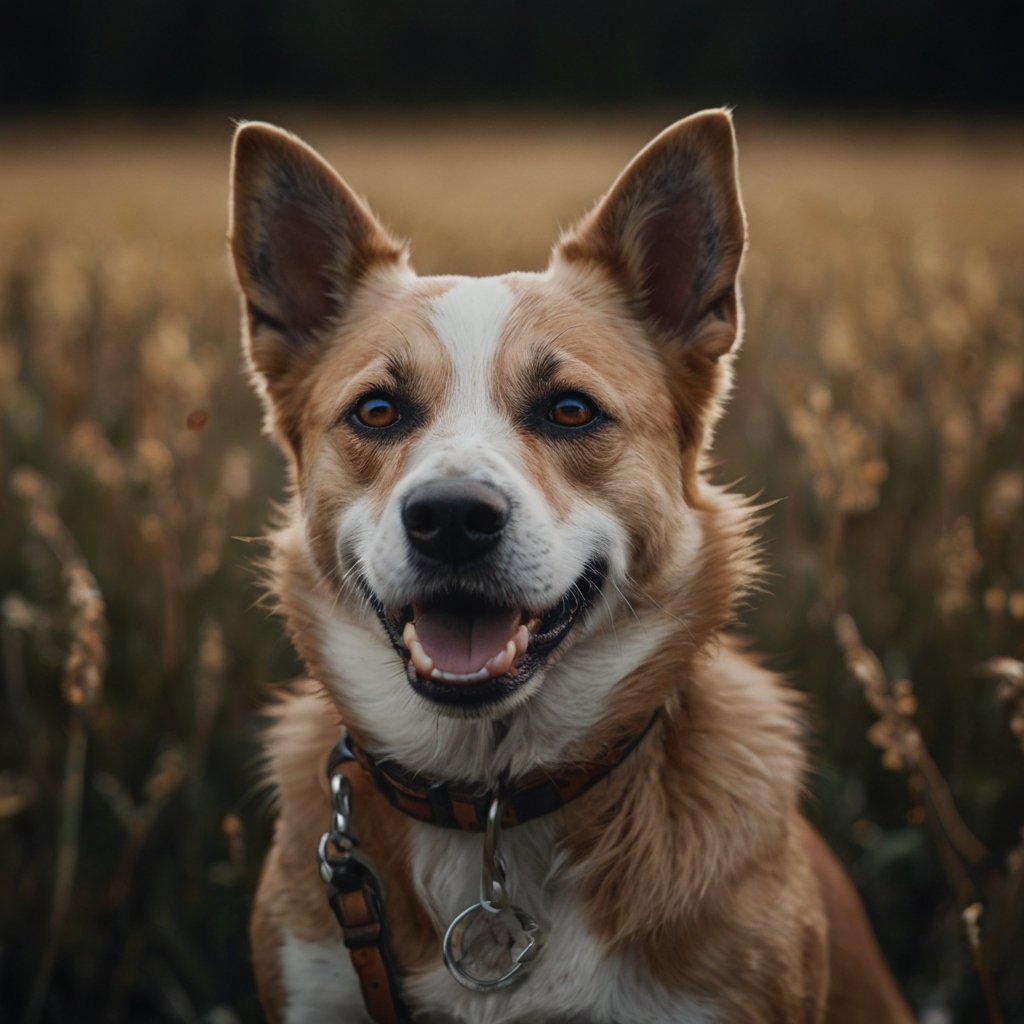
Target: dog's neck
(464, 805)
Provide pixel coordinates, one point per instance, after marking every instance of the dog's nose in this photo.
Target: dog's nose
(455, 520)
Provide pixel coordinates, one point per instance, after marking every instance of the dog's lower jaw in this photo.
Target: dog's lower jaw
(530, 642)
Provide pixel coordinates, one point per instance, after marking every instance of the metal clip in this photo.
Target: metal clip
(334, 862)
(341, 803)
(493, 892)
(505, 930)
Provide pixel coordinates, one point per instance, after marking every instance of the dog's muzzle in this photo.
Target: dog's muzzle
(466, 642)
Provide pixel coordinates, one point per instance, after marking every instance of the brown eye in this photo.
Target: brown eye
(377, 411)
(572, 410)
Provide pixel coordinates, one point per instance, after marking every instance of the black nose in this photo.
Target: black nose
(455, 520)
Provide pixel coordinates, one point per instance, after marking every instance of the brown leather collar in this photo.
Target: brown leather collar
(463, 806)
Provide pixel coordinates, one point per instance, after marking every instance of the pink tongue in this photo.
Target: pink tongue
(463, 645)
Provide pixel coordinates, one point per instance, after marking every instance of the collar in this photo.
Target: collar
(464, 806)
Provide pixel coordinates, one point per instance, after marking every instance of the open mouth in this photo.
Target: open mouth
(462, 650)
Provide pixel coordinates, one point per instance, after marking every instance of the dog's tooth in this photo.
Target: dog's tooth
(521, 639)
(422, 661)
(457, 677)
(502, 661)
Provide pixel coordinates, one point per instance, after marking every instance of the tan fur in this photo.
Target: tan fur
(861, 987)
(705, 832)
(692, 854)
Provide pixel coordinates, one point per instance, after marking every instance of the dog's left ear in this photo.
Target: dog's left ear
(672, 232)
(302, 243)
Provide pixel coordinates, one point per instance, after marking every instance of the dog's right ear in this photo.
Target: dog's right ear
(671, 233)
(302, 241)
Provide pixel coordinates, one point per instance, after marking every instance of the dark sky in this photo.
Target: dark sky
(855, 54)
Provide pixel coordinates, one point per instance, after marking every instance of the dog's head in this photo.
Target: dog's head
(499, 513)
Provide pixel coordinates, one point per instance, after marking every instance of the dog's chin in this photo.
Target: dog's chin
(469, 655)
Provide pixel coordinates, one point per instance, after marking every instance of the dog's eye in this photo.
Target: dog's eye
(572, 410)
(377, 411)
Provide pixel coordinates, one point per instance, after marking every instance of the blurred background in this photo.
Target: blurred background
(879, 406)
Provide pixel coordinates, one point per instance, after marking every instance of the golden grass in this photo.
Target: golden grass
(880, 397)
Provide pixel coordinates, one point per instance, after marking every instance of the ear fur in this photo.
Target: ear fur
(302, 241)
(671, 231)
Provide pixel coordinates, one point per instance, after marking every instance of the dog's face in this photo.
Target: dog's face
(497, 479)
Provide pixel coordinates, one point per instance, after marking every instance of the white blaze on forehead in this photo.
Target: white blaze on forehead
(470, 321)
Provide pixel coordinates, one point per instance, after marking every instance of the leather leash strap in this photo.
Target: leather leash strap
(356, 895)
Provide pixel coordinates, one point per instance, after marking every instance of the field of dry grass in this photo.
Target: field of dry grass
(880, 403)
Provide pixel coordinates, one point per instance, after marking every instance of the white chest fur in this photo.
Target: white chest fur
(574, 980)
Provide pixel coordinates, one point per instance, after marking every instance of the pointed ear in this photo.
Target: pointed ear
(672, 232)
(301, 242)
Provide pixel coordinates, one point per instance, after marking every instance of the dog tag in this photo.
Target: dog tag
(487, 948)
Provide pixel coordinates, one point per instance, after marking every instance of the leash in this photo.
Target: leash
(354, 888)
(356, 895)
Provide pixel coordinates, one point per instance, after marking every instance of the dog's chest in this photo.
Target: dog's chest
(574, 979)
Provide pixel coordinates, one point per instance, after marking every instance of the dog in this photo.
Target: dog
(563, 793)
